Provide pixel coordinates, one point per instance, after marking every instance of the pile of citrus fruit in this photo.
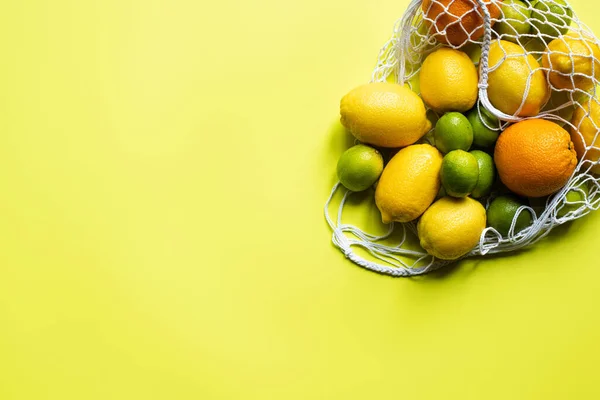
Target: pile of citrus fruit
(447, 157)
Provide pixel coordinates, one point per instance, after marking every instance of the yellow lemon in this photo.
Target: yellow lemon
(409, 183)
(512, 71)
(449, 81)
(575, 56)
(586, 119)
(451, 227)
(384, 114)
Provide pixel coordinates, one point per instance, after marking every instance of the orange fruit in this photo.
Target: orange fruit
(535, 158)
(457, 21)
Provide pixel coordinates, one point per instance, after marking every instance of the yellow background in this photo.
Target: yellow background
(163, 165)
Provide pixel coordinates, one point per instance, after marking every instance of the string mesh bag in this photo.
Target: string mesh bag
(567, 53)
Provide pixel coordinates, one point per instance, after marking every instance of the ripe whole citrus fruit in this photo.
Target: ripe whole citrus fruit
(586, 120)
(384, 114)
(512, 72)
(409, 183)
(573, 61)
(451, 227)
(502, 211)
(359, 167)
(457, 21)
(551, 18)
(449, 81)
(453, 131)
(459, 173)
(535, 157)
(485, 127)
(514, 21)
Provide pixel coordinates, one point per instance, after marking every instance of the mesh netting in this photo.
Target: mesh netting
(427, 27)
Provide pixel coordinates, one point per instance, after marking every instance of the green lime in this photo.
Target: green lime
(487, 174)
(485, 127)
(578, 196)
(551, 18)
(514, 21)
(501, 212)
(459, 173)
(452, 132)
(359, 167)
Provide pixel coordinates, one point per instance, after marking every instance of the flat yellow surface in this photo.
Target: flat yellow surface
(163, 165)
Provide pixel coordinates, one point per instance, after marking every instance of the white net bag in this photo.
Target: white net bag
(567, 53)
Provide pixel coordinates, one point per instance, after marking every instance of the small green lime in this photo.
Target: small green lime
(487, 174)
(459, 173)
(501, 212)
(514, 20)
(453, 132)
(577, 196)
(359, 167)
(551, 18)
(485, 127)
